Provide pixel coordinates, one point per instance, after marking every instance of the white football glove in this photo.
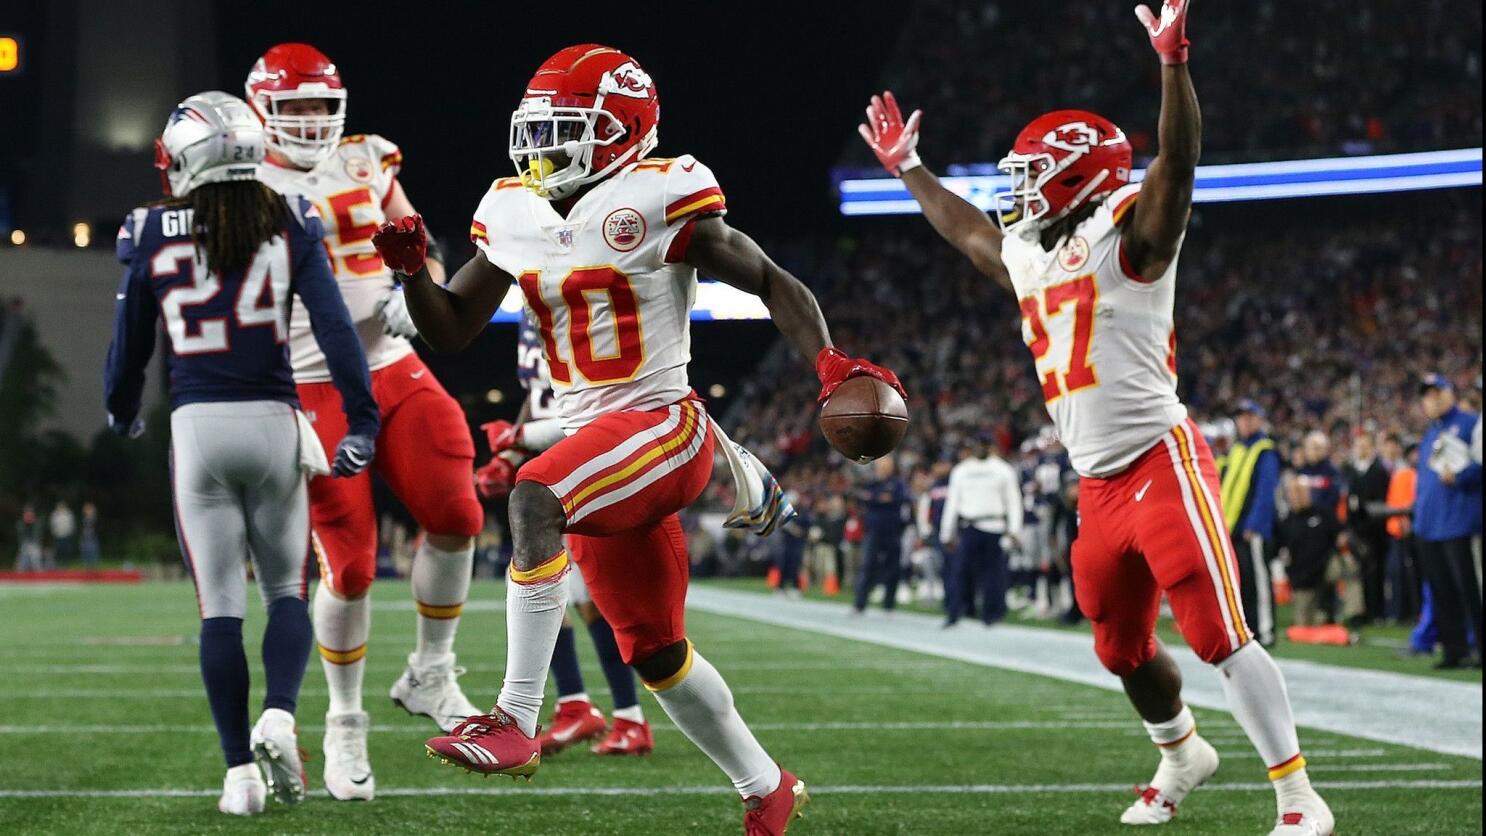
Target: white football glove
(396, 321)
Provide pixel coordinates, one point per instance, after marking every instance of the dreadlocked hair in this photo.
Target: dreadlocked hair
(231, 220)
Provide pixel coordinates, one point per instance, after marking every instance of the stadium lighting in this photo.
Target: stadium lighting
(494, 396)
(1216, 183)
(82, 235)
(717, 390)
(17, 237)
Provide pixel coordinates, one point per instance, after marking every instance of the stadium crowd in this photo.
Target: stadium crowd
(1326, 323)
(1334, 77)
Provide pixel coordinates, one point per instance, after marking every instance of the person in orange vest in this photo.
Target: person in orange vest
(1402, 602)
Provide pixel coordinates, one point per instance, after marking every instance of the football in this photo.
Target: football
(864, 419)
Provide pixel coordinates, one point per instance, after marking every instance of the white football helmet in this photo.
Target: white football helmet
(211, 137)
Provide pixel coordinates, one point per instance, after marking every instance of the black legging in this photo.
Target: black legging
(1450, 568)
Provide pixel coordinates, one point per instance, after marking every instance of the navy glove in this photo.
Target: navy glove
(129, 429)
(353, 455)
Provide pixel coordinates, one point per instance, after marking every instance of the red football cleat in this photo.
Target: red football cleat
(771, 814)
(626, 738)
(574, 722)
(490, 744)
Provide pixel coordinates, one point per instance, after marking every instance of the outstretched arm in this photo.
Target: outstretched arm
(958, 221)
(447, 317)
(733, 258)
(1160, 217)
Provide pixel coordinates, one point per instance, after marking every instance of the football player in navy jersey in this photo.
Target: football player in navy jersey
(218, 260)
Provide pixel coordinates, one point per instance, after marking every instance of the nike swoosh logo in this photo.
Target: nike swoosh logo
(362, 780)
(1140, 494)
(418, 374)
(688, 168)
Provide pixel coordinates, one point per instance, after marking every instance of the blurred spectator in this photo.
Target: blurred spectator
(1403, 576)
(930, 514)
(62, 524)
(1310, 538)
(790, 555)
(1342, 78)
(982, 506)
(87, 541)
(829, 532)
(1065, 522)
(1251, 476)
(886, 510)
(1318, 473)
(28, 540)
(1447, 514)
(1367, 486)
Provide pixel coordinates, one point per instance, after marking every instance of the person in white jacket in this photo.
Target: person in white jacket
(983, 506)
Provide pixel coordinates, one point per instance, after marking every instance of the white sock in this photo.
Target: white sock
(535, 603)
(581, 696)
(441, 582)
(1261, 704)
(632, 714)
(341, 630)
(1173, 731)
(699, 702)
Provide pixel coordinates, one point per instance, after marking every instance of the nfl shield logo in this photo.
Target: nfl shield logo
(565, 237)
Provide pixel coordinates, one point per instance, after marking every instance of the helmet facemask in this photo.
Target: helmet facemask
(553, 145)
(306, 140)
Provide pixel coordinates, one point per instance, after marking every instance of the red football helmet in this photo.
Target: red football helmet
(1061, 161)
(298, 71)
(588, 111)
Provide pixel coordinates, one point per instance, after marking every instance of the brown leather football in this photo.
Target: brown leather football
(864, 419)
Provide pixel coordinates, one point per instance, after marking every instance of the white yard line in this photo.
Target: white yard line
(1427, 713)
(845, 789)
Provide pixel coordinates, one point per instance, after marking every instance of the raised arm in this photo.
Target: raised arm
(735, 259)
(958, 221)
(1159, 219)
(447, 317)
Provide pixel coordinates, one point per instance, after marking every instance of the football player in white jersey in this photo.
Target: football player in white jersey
(424, 451)
(1092, 261)
(605, 244)
(577, 719)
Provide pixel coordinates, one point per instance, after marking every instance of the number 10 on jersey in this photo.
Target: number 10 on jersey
(596, 299)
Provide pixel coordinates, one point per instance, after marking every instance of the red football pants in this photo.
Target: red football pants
(621, 479)
(1157, 527)
(425, 455)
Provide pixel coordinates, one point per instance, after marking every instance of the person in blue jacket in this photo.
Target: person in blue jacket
(220, 261)
(1447, 514)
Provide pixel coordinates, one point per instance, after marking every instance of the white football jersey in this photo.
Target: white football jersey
(350, 188)
(1103, 339)
(606, 285)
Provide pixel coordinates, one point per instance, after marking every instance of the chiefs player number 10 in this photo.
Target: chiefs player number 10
(618, 309)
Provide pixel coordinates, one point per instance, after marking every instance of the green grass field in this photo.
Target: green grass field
(104, 729)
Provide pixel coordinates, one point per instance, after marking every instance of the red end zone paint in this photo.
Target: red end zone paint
(74, 576)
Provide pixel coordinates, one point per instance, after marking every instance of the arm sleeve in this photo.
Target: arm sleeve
(1015, 512)
(691, 192)
(135, 313)
(1470, 477)
(315, 286)
(949, 517)
(1266, 481)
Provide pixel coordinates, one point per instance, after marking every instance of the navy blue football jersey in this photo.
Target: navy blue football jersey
(227, 335)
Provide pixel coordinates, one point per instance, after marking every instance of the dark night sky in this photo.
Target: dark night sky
(764, 93)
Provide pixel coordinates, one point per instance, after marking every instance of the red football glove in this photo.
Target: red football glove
(834, 368)
(502, 436)
(894, 142)
(496, 478)
(1169, 31)
(403, 244)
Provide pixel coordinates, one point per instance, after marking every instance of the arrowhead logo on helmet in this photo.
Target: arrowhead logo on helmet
(1061, 161)
(588, 112)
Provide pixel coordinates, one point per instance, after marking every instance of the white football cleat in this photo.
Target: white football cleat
(431, 690)
(348, 773)
(1306, 815)
(1180, 772)
(243, 791)
(276, 748)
